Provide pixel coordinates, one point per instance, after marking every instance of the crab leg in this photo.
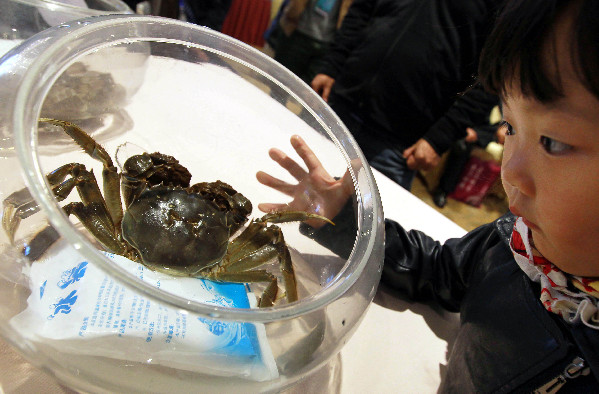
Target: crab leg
(90, 195)
(35, 248)
(257, 245)
(109, 173)
(283, 252)
(270, 293)
(292, 216)
(286, 267)
(93, 217)
(92, 213)
(20, 204)
(252, 235)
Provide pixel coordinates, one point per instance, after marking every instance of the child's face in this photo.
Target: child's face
(550, 171)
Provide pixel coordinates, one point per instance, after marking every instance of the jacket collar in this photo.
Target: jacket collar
(505, 225)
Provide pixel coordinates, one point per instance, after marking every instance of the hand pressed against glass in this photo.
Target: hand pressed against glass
(316, 190)
(550, 168)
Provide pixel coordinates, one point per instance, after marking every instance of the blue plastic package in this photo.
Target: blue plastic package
(81, 310)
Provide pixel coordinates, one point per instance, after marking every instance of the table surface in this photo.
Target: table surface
(399, 345)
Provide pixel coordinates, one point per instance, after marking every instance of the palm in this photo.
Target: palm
(316, 191)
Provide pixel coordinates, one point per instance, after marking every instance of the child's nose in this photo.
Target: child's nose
(516, 169)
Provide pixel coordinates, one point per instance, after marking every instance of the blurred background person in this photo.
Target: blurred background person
(459, 155)
(209, 13)
(394, 75)
(302, 32)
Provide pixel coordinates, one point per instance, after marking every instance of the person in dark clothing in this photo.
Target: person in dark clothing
(394, 74)
(302, 32)
(209, 13)
(526, 285)
(458, 158)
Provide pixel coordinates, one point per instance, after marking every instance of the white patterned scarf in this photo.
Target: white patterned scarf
(572, 297)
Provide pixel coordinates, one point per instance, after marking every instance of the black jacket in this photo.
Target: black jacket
(401, 64)
(507, 341)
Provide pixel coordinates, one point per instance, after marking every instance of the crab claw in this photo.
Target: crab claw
(292, 216)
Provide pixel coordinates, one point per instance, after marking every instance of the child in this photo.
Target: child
(526, 286)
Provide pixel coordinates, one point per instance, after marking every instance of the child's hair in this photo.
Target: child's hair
(514, 51)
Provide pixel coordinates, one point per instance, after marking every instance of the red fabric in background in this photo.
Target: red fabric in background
(476, 180)
(247, 20)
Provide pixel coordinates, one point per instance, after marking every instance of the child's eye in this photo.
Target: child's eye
(552, 146)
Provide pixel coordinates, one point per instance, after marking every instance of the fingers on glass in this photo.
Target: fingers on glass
(287, 163)
(275, 183)
(271, 207)
(304, 151)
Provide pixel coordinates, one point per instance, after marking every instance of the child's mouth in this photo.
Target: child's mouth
(530, 224)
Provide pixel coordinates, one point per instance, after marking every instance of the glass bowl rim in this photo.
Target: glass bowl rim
(54, 41)
(51, 5)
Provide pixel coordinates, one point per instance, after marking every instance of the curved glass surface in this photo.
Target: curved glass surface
(145, 84)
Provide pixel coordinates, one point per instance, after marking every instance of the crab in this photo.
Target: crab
(167, 225)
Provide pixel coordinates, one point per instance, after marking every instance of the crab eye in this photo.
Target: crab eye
(552, 146)
(137, 165)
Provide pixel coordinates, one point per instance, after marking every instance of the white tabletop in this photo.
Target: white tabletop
(401, 346)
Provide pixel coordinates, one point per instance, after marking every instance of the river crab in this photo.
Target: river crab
(167, 225)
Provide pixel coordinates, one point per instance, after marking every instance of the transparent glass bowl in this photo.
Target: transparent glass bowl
(218, 106)
(20, 19)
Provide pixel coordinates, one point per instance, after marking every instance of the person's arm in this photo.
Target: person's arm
(425, 269)
(472, 108)
(291, 15)
(349, 36)
(415, 264)
(421, 156)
